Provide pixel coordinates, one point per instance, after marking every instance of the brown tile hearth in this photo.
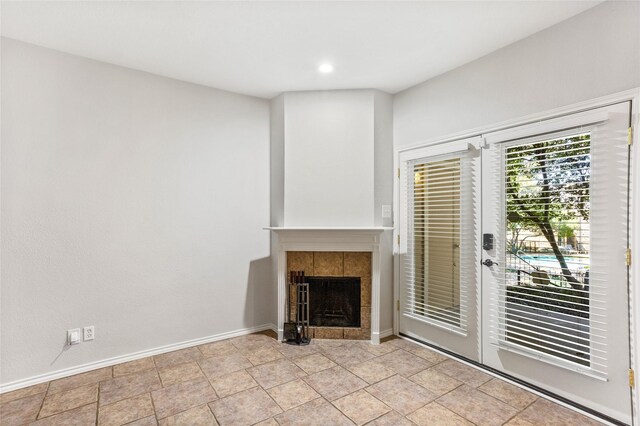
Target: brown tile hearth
(357, 333)
(328, 332)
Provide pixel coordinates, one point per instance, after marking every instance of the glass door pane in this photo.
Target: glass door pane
(547, 209)
(436, 233)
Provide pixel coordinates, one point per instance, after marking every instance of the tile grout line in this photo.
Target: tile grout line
(69, 409)
(187, 409)
(274, 401)
(46, 393)
(536, 397)
(408, 378)
(419, 408)
(522, 410)
(210, 384)
(476, 388)
(377, 399)
(62, 412)
(211, 411)
(98, 399)
(153, 404)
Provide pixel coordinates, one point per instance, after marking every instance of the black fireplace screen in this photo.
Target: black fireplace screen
(334, 301)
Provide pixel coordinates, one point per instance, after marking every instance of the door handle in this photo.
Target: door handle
(489, 263)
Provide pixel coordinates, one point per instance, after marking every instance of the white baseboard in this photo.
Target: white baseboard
(23, 383)
(376, 337)
(386, 333)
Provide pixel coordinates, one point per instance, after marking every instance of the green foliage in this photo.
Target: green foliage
(566, 231)
(548, 182)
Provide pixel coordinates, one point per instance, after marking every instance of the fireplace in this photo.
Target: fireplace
(339, 292)
(332, 252)
(334, 301)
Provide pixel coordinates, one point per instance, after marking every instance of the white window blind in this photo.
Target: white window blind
(555, 247)
(439, 265)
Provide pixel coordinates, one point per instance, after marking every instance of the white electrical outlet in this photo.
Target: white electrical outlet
(386, 211)
(73, 336)
(89, 333)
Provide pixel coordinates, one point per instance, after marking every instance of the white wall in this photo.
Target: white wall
(130, 202)
(277, 160)
(329, 158)
(276, 191)
(383, 195)
(593, 54)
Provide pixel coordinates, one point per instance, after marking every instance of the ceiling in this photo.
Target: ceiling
(264, 48)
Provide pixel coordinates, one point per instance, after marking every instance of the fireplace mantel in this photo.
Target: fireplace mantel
(330, 239)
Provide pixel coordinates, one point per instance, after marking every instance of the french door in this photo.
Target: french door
(439, 259)
(514, 253)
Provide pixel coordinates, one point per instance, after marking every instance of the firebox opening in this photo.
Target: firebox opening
(334, 301)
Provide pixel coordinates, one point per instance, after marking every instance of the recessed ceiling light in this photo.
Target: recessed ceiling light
(325, 68)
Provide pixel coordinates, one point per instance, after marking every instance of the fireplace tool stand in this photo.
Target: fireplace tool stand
(297, 333)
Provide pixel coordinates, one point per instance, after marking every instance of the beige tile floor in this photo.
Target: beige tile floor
(256, 380)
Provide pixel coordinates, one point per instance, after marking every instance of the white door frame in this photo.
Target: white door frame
(468, 148)
(632, 95)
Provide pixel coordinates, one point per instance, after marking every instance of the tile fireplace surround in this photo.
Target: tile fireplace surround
(345, 243)
(336, 264)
